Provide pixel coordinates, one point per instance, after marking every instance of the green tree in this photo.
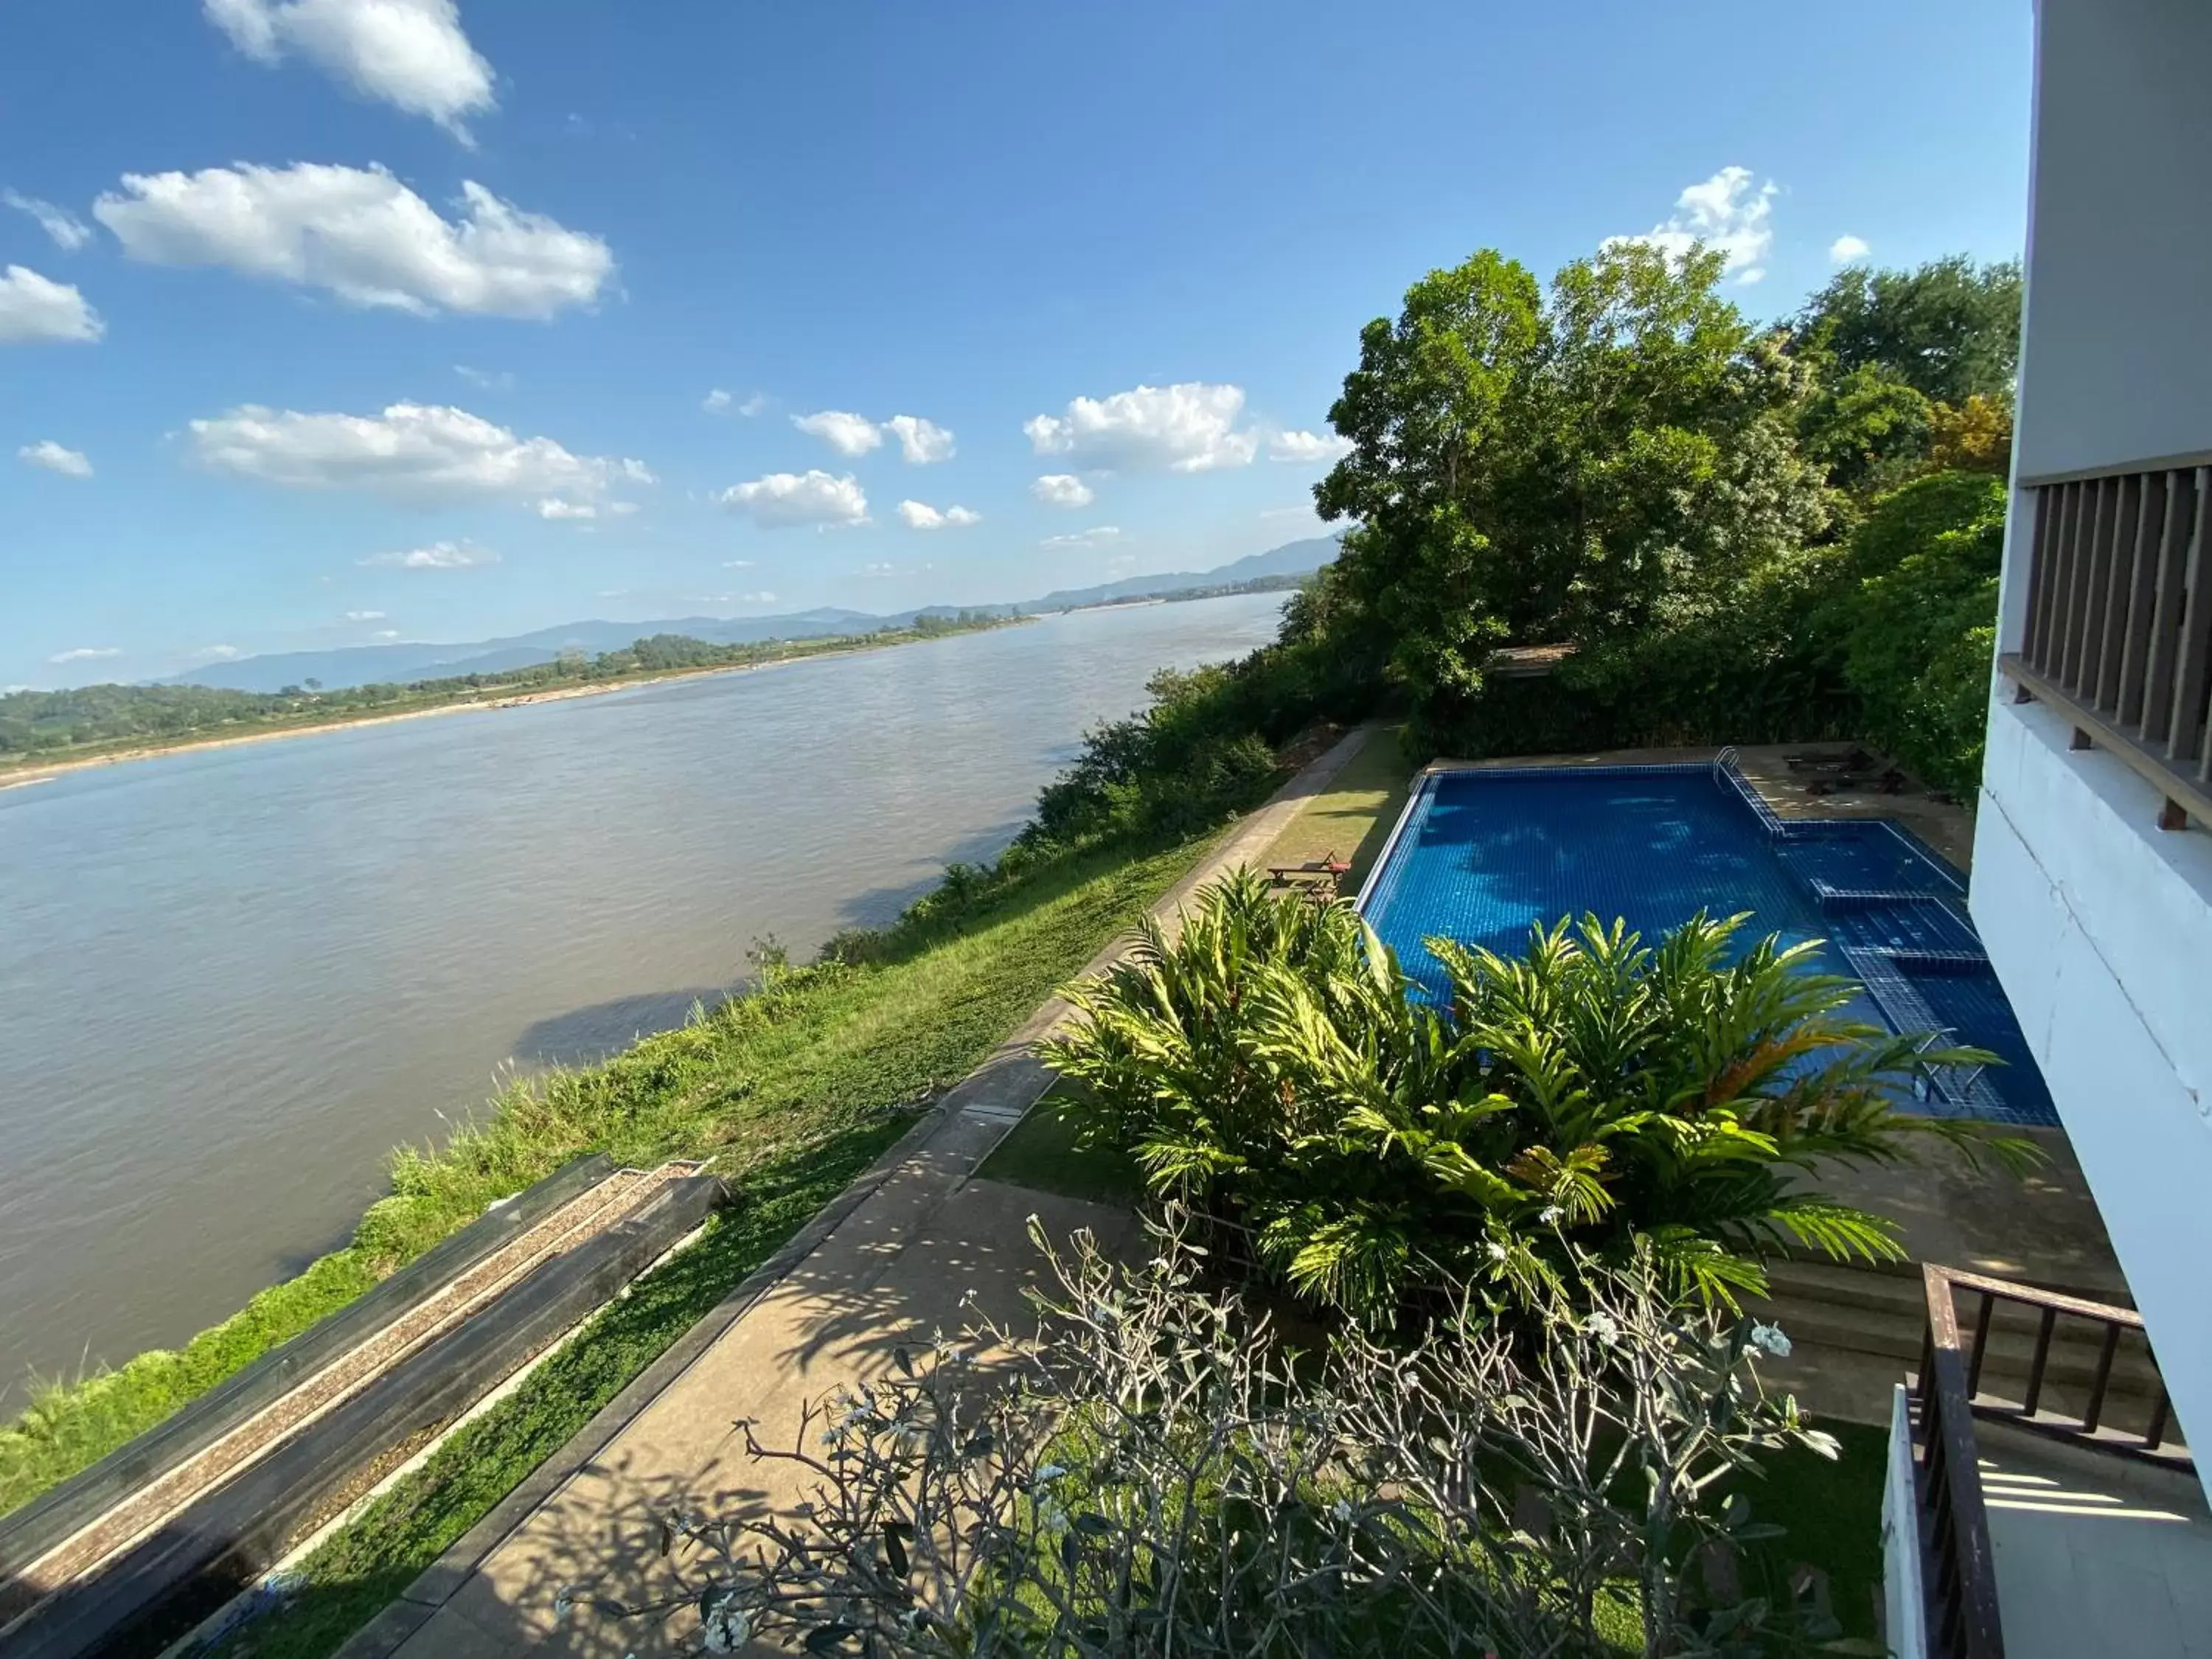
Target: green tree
(1866, 426)
(1949, 330)
(1614, 455)
(1917, 614)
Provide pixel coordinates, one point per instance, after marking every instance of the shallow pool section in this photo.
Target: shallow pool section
(1483, 855)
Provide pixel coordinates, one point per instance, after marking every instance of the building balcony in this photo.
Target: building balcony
(2118, 633)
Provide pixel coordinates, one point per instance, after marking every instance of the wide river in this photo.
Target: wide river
(232, 980)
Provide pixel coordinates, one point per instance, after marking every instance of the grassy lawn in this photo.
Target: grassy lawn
(1041, 1154)
(1354, 819)
(1831, 1517)
(825, 1060)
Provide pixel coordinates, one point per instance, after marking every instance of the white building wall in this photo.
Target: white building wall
(2100, 927)
(2099, 924)
(2116, 360)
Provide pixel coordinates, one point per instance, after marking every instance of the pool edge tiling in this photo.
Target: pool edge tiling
(1890, 910)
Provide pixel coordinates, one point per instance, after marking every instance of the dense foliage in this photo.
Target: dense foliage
(51, 724)
(1916, 611)
(1271, 1064)
(1153, 1474)
(1950, 330)
(1610, 457)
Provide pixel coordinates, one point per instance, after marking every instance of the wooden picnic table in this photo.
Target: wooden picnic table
(1319, 875)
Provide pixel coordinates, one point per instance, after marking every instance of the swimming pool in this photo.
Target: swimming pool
(1482, 854)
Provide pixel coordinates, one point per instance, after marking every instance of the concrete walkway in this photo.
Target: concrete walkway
(892, 1260)
(2094, 1554)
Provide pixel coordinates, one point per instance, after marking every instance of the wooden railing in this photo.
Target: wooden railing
(1959, 1578)
(1959, 1568)
(2119, 623)
(2034, 1411)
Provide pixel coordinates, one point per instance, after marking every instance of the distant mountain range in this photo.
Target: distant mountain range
(365, 665)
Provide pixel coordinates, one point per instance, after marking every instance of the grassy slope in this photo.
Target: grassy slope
(1354, 819)
(771, 1082)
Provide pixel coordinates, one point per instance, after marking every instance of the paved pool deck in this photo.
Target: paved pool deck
(917, 1245)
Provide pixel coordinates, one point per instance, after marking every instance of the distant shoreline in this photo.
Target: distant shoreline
(46, 772)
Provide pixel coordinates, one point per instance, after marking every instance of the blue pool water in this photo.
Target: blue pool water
(1482, 856)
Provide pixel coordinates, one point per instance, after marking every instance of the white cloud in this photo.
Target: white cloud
(410, 54)
(364, 615)
(715, 401)
(1845, 249)
(737, 564)
(920, 515)
(360, 234)
(1097, 537)
(69, 232)
(1189, 427)
(554, 509)
(1307, 447)
(621, 509)
(846, 432)
(753, 405)
(70, 463)
(920, 441)
(876, 570)
(411, 451)
(1062, 490)
(489, 379)
(385, 633)
(782, 500)
(438, 555)
(1725, 214)
(34, 308)
(86, 653)
(217, 653)
(762, 597)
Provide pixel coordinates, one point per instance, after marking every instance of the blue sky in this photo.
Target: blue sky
(325, 321)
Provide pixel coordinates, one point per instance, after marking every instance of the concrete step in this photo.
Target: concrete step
(1875, 1289)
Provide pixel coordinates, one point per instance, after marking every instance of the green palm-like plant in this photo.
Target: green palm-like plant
(1273, 1061)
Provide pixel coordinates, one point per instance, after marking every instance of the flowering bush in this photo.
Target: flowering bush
(1154, 1475)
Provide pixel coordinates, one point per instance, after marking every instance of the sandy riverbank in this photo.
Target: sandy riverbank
(46, 773)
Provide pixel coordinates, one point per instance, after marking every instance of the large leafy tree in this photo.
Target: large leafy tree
(1573, 464)
(1949, 330)
(1917, 612)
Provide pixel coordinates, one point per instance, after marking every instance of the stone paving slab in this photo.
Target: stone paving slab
(895, 1258)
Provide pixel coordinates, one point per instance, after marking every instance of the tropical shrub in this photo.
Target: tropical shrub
(1273, 1064)
(1151, 1474)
